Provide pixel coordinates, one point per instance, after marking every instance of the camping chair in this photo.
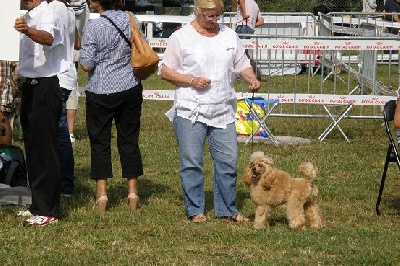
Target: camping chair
(392, 155)
(262, 121)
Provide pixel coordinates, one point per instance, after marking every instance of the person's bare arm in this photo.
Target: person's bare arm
(242, 5)
(38, 36)
(77, 43)
(259, 21)
(248, 75)
(86, 69)
(396, 18)
(396, 120)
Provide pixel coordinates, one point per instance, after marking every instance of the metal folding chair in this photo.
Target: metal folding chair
(392, 155)
(262, 121)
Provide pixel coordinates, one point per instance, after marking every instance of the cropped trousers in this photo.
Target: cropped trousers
(124, 108)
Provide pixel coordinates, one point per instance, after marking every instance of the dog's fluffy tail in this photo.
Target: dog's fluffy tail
(308, 170)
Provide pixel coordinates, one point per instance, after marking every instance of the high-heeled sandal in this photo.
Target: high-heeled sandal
(133, 201)
(101, 204)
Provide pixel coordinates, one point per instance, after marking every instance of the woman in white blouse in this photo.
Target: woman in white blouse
(201, 60)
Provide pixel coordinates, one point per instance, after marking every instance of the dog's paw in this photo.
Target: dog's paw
(317, 224)
(259, 226)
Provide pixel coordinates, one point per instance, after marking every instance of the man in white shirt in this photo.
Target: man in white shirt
(42, 56)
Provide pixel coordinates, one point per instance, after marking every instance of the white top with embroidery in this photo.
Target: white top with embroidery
(217, 58)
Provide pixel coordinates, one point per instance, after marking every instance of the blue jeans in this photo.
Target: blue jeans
(223, 148)
(65, 149)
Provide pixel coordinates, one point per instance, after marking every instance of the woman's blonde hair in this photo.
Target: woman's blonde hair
(209, 4)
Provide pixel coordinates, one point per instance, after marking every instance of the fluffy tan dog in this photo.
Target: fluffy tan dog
(270, 187)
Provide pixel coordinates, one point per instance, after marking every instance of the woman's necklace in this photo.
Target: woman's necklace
(205, 32)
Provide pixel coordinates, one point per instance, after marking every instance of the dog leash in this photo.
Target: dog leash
(252, 129)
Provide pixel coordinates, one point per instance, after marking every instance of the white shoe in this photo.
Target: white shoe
(38, 220)
(72, 138)
(24, 214)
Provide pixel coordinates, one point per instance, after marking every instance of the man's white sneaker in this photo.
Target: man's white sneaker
(72, 138)
(24, 214)
(38, 220)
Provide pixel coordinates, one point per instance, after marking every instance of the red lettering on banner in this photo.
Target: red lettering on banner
(156, 95)
(349, 47)
(379, 47)
(249, 46)
(373, 102)
(311, 100)
(259, 46)
(285, 46)
(161, 96)
(286, 100)
(316, 47)
(341, 101)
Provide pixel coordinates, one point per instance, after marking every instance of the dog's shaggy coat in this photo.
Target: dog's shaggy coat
(270, 187)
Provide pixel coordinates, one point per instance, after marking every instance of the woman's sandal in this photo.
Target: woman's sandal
(101, 204)
(133, 201)
(198, 219)
(238, 218)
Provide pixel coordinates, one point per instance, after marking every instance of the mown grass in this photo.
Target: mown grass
(159, 233)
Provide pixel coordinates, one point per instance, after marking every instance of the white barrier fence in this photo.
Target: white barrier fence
(290, 98)
(344, 60)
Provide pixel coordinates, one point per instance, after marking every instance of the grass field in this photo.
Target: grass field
(159, 233)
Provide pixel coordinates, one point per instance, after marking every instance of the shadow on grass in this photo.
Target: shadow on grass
(240, 198)
(147, 188)
(394, 205)
(116, 192)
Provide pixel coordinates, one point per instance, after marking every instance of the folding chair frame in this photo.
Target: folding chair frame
(335, 122)
(261, 121)
(392, 155)
(337, 119)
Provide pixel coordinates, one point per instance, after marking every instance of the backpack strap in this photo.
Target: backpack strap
(10, 172)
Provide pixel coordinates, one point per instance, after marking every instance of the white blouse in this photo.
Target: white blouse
(217, 58)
